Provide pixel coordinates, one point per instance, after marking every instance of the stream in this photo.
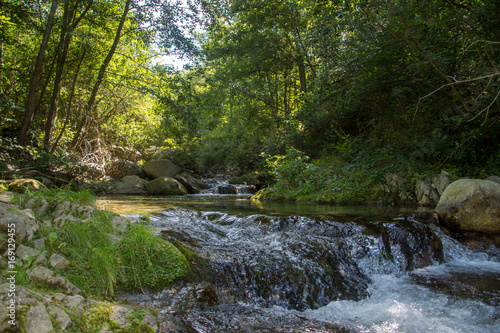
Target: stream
(289, 267)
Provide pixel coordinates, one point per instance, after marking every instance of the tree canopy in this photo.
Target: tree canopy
(413, 80)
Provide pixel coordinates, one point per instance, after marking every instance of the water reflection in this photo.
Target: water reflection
(243, 205)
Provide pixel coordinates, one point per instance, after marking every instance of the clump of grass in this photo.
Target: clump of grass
(148, 260)
(104, 261)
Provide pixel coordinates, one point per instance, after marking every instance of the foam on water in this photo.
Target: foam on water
(399, 305)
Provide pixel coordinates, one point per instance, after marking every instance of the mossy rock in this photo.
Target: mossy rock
(23, 185)
(154, 262)
(471, 205)
(200, 268)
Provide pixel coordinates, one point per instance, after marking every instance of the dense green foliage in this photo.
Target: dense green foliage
(360, 87)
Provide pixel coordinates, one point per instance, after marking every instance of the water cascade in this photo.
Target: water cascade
(322, 274)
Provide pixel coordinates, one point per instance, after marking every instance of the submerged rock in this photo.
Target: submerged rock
(471, 205)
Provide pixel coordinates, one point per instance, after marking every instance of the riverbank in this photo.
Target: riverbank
(67, 260)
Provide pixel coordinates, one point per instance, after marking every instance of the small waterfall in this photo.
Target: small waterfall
(301, 262)
(219, 185)
(323, 274)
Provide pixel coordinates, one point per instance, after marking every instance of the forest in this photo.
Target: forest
(325, 96)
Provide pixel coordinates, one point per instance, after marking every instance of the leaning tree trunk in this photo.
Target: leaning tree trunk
(31, 100)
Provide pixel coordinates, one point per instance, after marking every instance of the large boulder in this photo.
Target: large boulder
(165, 186)
(161, 168)
(471, 205)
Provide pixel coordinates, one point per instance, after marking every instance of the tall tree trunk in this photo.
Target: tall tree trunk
(64, 41)
(102, 71)
(302, 75)
(31, 100)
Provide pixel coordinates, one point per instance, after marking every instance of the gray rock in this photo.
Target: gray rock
(65, 208)
(471, 205)
(161, 168)
(25, 226)
(26, 253)
(120, 224)
(75, 302)
(38, 320)
(38, 205)
(44, 276)
(130, 185)
(30, 213)
(3, 264)
(42, 259)
(165, 186)
(58, 262)
(171, 324)
(192, 184)
(440, 182)
(394, 186)
(62, 208)
(495, 179)
(227, 189)
(426, 195)
(6, 197)
(120, 314)
(60, 316)
(67, 212)
(39, 244)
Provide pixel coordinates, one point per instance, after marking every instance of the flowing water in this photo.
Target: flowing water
(274, 267)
